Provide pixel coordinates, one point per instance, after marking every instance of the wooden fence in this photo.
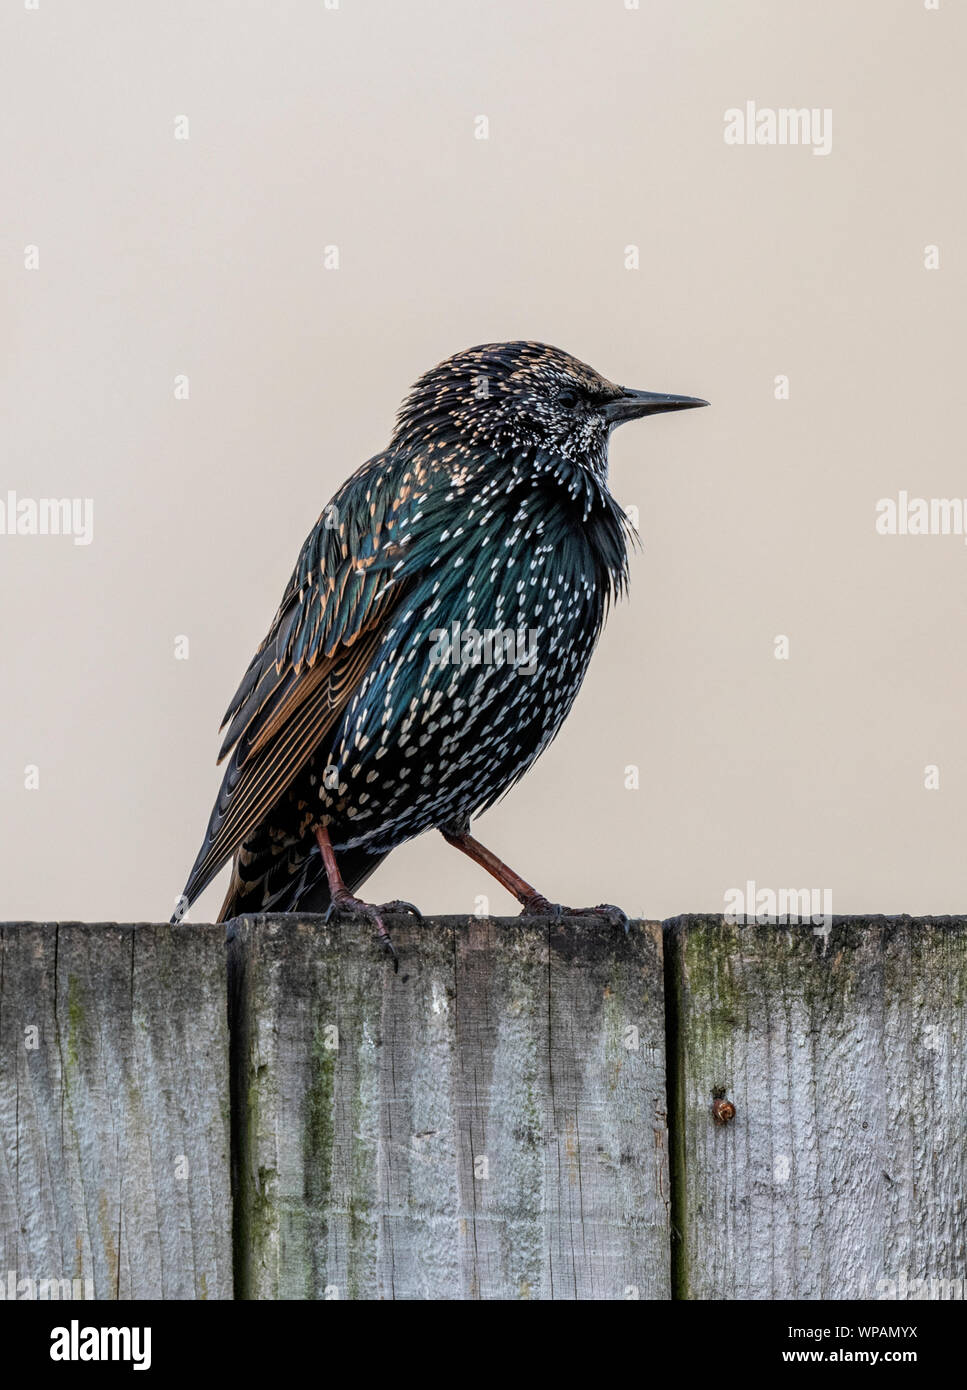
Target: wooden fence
(692, 1110)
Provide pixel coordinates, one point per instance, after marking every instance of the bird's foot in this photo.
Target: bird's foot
(539, 906)
(345, 905)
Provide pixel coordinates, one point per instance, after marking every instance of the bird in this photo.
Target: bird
(431, 640)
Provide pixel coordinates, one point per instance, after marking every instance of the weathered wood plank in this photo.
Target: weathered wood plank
(114, 1123)
(843, 1173)
(487, 1124)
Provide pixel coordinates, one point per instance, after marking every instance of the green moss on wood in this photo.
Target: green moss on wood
(75, 1021)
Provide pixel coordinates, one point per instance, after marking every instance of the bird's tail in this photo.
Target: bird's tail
(291, 882)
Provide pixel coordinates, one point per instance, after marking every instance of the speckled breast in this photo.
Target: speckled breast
(469, 686)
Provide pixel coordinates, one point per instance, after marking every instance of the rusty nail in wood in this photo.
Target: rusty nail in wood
(722, 1111)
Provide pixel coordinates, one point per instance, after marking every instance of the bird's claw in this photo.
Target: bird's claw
(384, 940)
(372, 912)
(613, 916)
(401, 905)
(539, 906)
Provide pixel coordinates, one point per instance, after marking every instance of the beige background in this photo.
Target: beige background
(354, 127)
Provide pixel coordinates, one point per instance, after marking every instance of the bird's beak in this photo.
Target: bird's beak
(632, 404)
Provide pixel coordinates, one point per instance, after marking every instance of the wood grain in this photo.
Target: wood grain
(488, 1124)
(114, 1124)
(843, 1173)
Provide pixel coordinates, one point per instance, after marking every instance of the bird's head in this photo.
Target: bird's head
(514, 397)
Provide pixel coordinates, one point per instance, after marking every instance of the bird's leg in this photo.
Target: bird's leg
(344, 902)
(534, 903)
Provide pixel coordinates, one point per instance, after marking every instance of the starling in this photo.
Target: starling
(432, 638)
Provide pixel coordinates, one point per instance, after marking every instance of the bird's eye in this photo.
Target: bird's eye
(567, 398)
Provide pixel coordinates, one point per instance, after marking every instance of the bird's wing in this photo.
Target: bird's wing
(332, 617)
